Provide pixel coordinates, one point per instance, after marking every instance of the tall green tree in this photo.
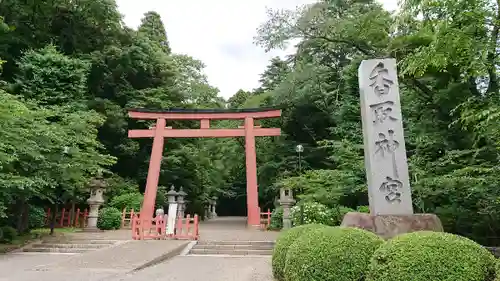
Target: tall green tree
(152, 27)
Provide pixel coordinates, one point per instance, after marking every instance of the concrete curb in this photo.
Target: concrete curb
(188, 248)
(175, 252)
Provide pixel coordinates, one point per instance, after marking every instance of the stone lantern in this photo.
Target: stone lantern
(171, 194)
(172, 210)
(286, 200)
(97, 187)
(182, 204)
(208, 209)
(214, 203)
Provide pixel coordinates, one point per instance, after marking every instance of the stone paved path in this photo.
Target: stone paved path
(210, 268)
(186, 268)
(91, 266)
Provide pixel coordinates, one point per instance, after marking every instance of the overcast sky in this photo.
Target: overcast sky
(219, 33)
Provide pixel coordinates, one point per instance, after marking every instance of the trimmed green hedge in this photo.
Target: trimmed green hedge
(497, 270)
(109, 218)
(436, 256)
(331, 254)
(283, 243)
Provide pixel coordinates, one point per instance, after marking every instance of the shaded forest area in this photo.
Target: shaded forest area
(71, 68)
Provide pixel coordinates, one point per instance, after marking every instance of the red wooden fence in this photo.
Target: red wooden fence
(127, 218)
(184, 228)
(265, 219)
(64, 218)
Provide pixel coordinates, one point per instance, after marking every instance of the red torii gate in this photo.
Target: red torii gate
(161, 131)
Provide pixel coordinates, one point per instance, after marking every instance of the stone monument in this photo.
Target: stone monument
(286, 200)
(180, 201)
(97, 186)
(389, 192)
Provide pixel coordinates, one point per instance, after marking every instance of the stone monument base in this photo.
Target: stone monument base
(388, 226)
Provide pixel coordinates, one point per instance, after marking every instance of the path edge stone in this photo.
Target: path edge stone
(175, 252)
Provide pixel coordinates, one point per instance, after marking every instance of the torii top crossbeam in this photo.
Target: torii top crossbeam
(161, 131)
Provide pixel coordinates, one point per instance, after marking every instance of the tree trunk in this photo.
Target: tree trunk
(53, 219)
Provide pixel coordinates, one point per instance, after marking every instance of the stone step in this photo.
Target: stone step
(232, 252)
(254, 243)
(58, 245)
(79, 241)
(234, 247)
(56, 250)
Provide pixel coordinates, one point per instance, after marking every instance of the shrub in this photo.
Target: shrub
(129, 200)
(311, 212)
(497, 270)
(436, 256)
(109, 218)
(339, 213)
(331, 254)
(363, 209)
(277, 218)
(283, 243)
(36, 217)
(7, 234)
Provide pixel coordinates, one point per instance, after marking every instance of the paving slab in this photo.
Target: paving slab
(196, 268)
(233, 229)
(11, 264)
(126, 256)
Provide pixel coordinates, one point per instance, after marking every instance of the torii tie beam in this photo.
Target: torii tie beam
(160, 131)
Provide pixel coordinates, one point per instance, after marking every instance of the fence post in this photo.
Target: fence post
(76, 223)
(61, 220)
(195, 230)
(123, 217)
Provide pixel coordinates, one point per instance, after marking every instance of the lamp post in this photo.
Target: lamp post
(299, 149)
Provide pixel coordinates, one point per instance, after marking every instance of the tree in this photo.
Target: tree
(152, 27)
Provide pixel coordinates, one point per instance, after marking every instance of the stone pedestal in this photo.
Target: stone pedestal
(388, 226)
(92, 218)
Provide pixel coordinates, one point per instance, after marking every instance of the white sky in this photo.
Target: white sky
(219, 33)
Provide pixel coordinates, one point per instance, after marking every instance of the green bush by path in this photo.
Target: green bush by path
(7, 234)
(284, 241)
(128, 200)
(311, 212)
(331, 254)
(36, 217)
(109, 218)
(436, 256)
(338, 214)
(276, 219)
